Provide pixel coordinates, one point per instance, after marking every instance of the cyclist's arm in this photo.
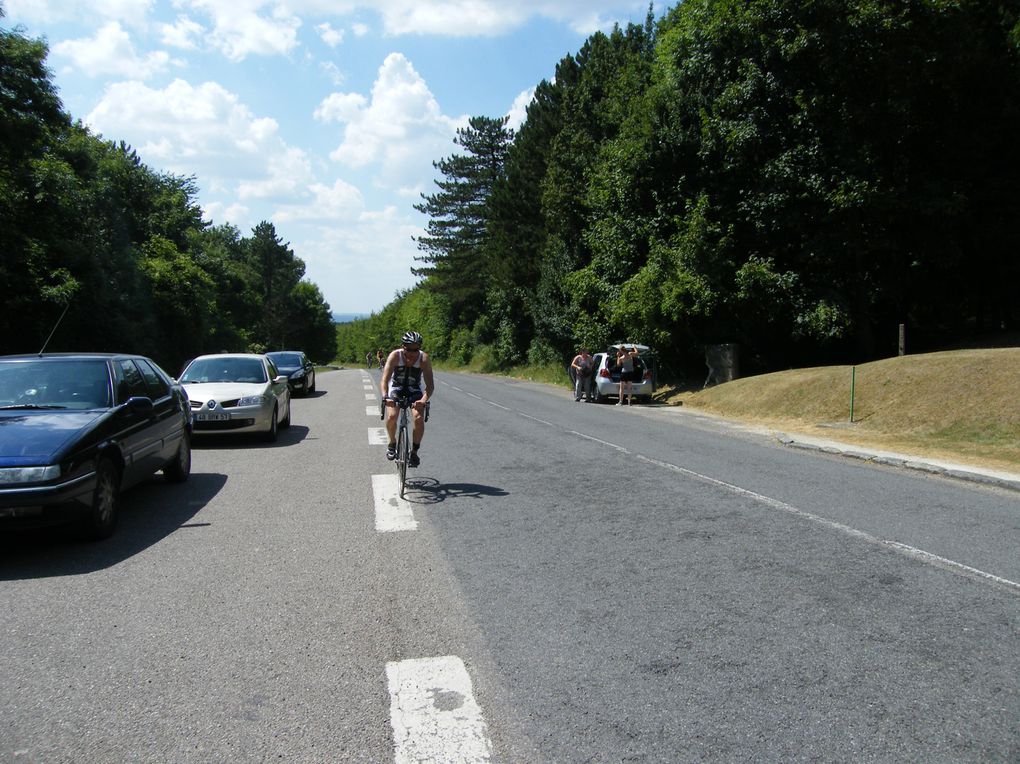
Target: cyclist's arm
(384, 383)
(426, 373)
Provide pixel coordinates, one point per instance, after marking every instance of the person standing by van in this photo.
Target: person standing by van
(582, 366)
(625, 363)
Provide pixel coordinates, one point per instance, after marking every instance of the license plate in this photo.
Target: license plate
(212, 417)
(21, 512)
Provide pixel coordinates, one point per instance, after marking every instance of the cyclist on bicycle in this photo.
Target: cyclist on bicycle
(402, 375)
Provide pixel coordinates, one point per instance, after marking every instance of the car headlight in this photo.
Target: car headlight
(298, 374)
(15, 475)
(252, 400)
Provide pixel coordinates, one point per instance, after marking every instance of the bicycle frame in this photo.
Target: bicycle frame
(403, 436)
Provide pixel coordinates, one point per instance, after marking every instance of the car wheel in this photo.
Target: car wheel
(286, 420)
(311, 387)
(178, 468)
(273, 431)
(101, 518)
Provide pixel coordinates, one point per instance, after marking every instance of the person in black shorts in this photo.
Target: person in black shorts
(405, 370)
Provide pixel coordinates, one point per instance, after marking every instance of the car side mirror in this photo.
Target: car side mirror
(280, 379)
(139, 404)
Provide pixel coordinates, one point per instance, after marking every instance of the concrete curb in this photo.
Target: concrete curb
(946, 469)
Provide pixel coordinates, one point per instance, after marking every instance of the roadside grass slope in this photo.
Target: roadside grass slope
(959, 405)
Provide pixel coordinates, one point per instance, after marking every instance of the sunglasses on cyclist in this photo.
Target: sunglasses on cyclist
(412, 349)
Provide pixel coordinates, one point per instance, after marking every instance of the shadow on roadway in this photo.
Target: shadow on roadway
(289, 436)
(428, 490)
(149, 512)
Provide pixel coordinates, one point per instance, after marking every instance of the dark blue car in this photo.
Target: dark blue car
(77, 429)
(299, 370)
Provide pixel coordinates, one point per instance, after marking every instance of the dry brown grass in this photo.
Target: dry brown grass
(959, 405)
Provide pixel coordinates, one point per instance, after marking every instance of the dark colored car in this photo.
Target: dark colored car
(77, 429)
(299, 370)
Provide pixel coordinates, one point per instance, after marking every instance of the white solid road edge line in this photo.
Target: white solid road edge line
(392, 513)
(434, 714)
(918, 554)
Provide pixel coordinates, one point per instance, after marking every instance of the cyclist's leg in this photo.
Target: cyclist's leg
(419, 418)
(418, 428)
(391, 428)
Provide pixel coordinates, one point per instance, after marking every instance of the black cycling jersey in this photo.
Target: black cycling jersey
(405, 377)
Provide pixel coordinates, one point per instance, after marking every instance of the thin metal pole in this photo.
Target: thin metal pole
(853, 381)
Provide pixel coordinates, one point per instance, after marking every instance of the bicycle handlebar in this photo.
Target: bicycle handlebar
(404, 402)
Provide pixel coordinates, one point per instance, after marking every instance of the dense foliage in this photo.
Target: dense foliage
(86, 227)
(796, 176)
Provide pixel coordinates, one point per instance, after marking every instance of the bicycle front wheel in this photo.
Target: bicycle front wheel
(402, 452)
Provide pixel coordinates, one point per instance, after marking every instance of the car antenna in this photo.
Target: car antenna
(55, 328)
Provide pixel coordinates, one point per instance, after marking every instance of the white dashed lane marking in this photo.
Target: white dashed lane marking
(377, 436)
(372, 410)
(434, 713)
(392, 514)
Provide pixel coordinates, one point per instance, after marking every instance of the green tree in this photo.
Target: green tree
(181, 301)
(279, 272)
(313, 323)
(454, 260)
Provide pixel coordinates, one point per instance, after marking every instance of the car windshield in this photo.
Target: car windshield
(225, 370)
(54, 384)
(285, 359)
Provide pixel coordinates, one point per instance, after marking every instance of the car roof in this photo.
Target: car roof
(69, 356)
(259, 356)
(641, 348)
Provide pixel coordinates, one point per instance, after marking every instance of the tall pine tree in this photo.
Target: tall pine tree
(453, 259)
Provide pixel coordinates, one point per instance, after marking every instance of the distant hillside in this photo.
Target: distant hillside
(346, 318)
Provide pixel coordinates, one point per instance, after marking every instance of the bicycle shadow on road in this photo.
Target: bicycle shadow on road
(430, 491)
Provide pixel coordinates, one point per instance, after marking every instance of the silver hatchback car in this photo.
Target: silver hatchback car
(606, 383)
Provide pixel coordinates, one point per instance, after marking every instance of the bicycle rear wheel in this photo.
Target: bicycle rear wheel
(402, 451)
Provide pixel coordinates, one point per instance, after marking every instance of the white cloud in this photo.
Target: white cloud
(519, 110)
(235, 214)
(365, 263)
(240, 29)
(340, 107)
(401, 128)
(464, 18)
(341, 201)
(456, 17)
(111, 52)
(269, 27)
(332, 71)
(49, 11)
(203, 131)
(181, 34)
(332, 37)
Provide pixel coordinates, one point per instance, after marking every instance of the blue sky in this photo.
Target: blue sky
(321, 116)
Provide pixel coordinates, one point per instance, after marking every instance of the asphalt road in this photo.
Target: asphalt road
(581, 583)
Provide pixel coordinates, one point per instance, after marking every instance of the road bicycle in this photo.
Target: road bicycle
(404, 403)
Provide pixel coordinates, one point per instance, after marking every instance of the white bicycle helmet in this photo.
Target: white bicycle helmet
(411, 338)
